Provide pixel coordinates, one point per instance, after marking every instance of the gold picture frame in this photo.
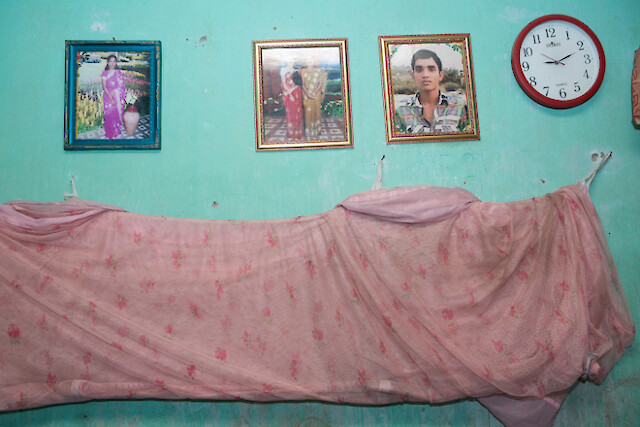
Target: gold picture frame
(439, 67)
(302, 97)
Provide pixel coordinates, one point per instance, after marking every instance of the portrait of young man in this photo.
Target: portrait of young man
(430, 109)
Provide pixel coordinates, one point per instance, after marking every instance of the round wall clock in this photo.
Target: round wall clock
(558, 61)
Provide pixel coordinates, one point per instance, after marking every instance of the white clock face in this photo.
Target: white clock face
(559, 60)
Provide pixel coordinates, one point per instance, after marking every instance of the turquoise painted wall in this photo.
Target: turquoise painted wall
(208, 153)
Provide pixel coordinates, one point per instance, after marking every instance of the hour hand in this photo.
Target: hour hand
(553, 61)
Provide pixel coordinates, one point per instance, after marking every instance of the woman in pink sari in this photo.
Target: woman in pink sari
(113, 99)
(292, 98)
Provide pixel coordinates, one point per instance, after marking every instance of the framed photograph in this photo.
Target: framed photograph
(428, 88)
(112, 95)
(302, 94)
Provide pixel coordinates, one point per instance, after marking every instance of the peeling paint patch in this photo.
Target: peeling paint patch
(512, 14)
(98, 26)
(99, 23)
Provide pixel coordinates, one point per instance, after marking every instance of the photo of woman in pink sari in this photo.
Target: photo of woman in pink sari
(113, 98)
(292, 98)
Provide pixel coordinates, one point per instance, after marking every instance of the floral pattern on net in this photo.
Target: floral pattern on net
(164, 297)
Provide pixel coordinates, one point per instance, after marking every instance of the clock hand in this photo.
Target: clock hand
(553, 61)
(560, 60)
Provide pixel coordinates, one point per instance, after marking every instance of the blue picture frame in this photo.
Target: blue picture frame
(127, 114)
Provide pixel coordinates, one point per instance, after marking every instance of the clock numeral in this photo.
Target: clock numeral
(527, 51)
(536, 38)
(576, 87)
(580, 45)
(587, 59)
(533, 81)
(567, 33)
(551, 32)
(562, 92)
(586, 74)
(546, 90)
(525, 65)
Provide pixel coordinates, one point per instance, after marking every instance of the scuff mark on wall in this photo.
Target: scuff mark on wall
(594, 156)
(200, 42)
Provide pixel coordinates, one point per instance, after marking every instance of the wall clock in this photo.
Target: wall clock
(558, 61)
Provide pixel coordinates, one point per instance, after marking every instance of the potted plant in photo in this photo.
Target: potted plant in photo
(131, 115)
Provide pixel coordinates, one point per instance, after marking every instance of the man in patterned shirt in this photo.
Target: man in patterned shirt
(429, 110)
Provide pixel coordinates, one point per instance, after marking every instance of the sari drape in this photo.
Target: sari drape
(113, 108)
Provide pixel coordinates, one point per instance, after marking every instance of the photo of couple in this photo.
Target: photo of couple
(302, 90)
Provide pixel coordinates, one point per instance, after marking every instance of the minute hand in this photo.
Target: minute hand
(562, 59)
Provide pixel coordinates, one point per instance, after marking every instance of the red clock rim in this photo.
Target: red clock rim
(522, 80)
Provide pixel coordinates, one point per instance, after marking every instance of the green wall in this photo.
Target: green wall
(208, 154)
